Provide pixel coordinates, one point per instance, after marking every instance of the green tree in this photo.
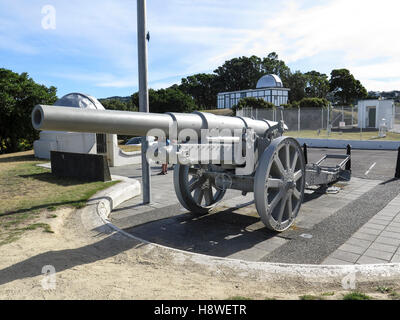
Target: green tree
(317, 85)
(118, 104)
(18, 96)
(345, 88)
(297, 83)
(168, 100)
(244, 72)
(203, 88)
(272, 65)
(313, 103)
(239, 74)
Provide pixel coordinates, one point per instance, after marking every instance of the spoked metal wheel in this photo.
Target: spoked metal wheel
(195, 191)
(279, 183)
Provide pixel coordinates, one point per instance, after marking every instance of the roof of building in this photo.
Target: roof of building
(269, 81)
(251, 90)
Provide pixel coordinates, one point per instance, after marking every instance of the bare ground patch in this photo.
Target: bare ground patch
(91, 265)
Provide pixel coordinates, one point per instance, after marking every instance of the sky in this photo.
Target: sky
(90, 46)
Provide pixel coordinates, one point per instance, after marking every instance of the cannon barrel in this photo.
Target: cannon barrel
(135, 123)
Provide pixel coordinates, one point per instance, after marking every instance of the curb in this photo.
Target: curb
(96, 216)
(355, 144)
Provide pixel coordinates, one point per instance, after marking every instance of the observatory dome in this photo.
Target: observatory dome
(79, 100)
(269, 81)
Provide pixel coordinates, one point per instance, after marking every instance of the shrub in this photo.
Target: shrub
(295, 104)
(313, 103)
(251, 102)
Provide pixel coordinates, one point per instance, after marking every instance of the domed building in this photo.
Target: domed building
(269, 81)
(269, 87)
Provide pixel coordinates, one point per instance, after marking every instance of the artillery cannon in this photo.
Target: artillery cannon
(211, 154)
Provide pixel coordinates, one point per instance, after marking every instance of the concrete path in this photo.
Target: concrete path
(325, 222)
(377, 241)
(235, 231)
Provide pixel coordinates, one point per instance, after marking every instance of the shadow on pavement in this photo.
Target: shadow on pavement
(220, 234)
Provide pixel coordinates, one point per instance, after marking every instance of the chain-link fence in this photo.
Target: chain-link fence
(295, 119)
(340, 123)
(397, 115)
(396, 125)
(307, 118)
(344, 117)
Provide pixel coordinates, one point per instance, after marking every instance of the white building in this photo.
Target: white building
(269, 88)
(372, 113)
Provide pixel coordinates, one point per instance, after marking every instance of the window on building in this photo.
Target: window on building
(233, 102)
(227, 105)
(220, 102)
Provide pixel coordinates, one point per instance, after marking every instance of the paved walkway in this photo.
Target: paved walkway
(360, 224)
(235, 231)
(377, 241)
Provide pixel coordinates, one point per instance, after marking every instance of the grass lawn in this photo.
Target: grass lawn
(390, 136)
(356, 296)
(27, 192)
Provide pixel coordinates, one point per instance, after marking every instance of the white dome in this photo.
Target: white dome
(79, 100)
(269, 81)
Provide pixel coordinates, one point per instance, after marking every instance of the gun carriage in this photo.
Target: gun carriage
(212, 154)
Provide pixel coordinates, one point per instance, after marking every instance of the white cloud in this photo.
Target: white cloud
(381, 85)
(352, 33)
(199, 35)
(360, 29)
(118, 83)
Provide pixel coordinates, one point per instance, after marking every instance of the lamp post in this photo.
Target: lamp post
(143, 93)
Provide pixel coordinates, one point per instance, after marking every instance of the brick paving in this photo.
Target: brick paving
(377, 241)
